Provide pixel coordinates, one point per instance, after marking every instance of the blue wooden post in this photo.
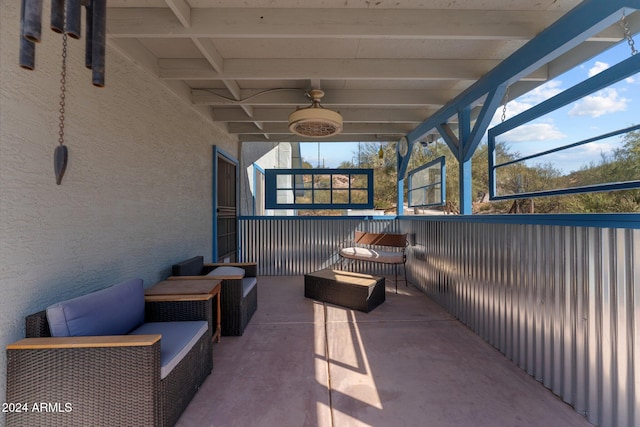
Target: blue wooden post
(400, 208)
(464, 165)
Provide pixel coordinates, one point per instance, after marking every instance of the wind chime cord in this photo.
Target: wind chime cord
(63, 83)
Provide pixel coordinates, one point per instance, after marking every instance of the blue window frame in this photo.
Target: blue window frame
(562, 184)
(427, 184)
(319, 188)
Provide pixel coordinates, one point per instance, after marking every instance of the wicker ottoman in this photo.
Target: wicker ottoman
(352, 290)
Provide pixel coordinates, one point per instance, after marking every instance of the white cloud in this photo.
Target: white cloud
(542, 92)
(597, 68)
(513, 109)
(597, 148)
(630, 80)
(534, 132)
(603, 102)
(528, 100)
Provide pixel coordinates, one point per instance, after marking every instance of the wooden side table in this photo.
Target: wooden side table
(176, 290)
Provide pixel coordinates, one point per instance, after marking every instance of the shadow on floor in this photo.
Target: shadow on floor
(407, 363)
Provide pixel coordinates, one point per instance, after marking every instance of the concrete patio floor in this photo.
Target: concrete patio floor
(407, 363)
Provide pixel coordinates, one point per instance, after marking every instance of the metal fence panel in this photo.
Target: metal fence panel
(560, 301)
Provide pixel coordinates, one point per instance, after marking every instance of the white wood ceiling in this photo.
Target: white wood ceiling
(385, 65)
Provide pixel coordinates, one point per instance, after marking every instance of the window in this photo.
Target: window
(557, 168)
(426, 184)
(319, 188)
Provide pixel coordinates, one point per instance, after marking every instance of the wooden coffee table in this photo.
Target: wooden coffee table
(188, 290)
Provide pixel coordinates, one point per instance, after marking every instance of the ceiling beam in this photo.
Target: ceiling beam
(337, 138)
(331, 23)
(588, 18)
(181, 10)
(351, 115)
(348, 128)
(334, 69)
(382, 98)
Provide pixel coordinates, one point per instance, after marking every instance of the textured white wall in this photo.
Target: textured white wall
(136, 196)
(267, 156)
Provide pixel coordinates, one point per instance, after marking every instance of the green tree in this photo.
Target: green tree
(622, 165)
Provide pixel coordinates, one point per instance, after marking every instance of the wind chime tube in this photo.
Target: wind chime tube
(74, 18)
(99, 39)
(32, 20)
(88, 30)
(57, 15)
(27, 48)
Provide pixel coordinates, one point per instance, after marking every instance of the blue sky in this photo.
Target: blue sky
(615, 107)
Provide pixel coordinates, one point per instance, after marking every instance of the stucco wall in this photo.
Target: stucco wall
(267, 156)
(136, 196)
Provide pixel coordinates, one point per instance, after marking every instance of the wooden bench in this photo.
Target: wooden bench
(384, 248)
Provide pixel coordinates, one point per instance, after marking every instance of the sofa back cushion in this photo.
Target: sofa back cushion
(226, 272)
(116, 310)
(190, 267)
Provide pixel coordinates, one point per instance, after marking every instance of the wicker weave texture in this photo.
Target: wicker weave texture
(172, 311)
(103, 386)
(36, 325)
(341, 292)
(108, 386)
(179, 387)
(236, 310)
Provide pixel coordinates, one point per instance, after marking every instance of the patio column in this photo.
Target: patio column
(464, 164)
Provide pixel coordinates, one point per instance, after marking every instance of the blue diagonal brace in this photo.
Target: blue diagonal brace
(483, 121)
(449, 138)
(585, 20)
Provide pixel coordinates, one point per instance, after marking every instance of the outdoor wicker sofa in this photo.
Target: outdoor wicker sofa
(239, 293)
(99, 370)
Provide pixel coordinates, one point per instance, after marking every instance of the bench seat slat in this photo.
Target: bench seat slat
(367, 254)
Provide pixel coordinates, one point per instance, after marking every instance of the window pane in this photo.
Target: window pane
(418, 197)
(307, 181)
(359, 181)
(284, 181)
(285, 196)
(322, 196)
(303, 197)
(359, 196)
(341, 196)
(322, 181)
(340, 181)
(433, 194)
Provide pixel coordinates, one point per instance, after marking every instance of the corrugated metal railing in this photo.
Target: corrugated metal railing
(560, 301)
(284, 246)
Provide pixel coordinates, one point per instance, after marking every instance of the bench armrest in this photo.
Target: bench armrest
(97, 380)
(85, 342)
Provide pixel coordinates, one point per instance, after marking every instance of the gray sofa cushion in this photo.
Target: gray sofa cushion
(178, 338)
(227, 271)
(115, 310)
(247, 284)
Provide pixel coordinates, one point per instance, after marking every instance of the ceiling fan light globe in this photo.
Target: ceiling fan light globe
(315, 122)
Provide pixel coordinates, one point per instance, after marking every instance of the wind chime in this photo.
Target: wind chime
(66, 17)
